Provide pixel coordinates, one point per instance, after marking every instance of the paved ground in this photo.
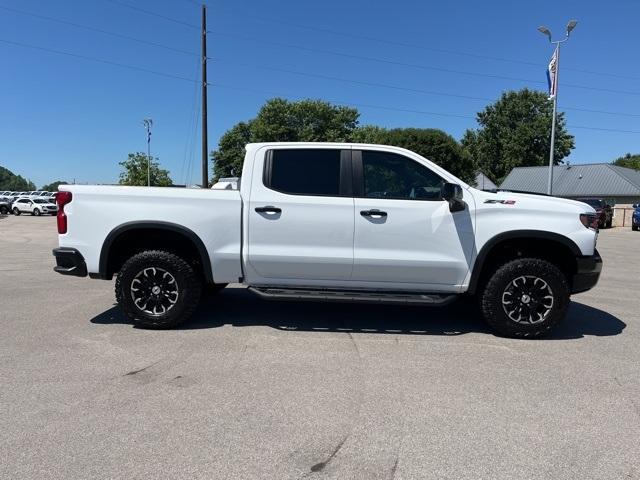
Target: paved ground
(255, 390)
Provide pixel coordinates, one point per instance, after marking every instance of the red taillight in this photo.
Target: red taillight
(62, 199)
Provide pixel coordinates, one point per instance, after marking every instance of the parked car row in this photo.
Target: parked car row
(51, 196)
(36, 203)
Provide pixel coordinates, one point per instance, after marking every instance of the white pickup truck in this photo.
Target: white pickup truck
(333, 221)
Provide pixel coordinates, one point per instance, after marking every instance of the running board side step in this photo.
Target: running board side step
(415, 298)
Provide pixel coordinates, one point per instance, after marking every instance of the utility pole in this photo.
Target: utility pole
(205, 139)
(553, 91)
(148, 123)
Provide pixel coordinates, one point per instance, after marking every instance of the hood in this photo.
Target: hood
(533, 201)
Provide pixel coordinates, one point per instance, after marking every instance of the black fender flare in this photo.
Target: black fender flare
(513, 235)
(158, 225)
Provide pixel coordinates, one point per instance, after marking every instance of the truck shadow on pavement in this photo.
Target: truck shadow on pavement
(240, 308)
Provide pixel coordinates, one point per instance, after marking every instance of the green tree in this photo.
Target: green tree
(435, 145)
(53, 186)
(230, 154)
(629, 161)
(135, 171)
(280, 120)
(13, 182)
(515, 131)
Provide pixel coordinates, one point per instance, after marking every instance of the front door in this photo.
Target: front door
(300, 215)
(405, 234)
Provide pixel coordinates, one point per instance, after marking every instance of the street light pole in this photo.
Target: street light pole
(545, 31)
(553, 123)
(148, 123)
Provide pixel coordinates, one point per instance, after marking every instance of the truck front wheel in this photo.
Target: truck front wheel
(525, 298)
(158, 289)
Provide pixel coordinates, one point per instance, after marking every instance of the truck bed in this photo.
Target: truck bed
(213, 215)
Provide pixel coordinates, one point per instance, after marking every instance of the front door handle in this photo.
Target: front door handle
(375, 213)
(268, 209)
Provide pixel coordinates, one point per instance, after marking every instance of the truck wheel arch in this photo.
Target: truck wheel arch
(513, 237)
(105, 272)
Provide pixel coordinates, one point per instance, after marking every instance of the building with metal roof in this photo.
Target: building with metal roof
(484, 183)
(618, 184)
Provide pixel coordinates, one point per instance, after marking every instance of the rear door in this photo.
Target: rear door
(301, 217)
(405, 234)
(24, 205)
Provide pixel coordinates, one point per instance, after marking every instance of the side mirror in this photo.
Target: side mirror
(452, 193)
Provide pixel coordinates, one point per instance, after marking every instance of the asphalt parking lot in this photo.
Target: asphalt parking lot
(257, 390)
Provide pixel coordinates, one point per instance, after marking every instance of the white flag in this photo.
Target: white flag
(552, 75)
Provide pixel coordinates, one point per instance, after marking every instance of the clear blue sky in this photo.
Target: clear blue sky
(63, 117)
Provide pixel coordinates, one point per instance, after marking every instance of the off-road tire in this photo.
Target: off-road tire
(492, 293)
(16, 212)
(634, 228)
(187, 278)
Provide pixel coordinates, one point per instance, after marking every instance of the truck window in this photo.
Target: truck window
(305, 171)
(392, 176)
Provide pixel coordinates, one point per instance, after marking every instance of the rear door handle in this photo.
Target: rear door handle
(268, 209)
(373, 213)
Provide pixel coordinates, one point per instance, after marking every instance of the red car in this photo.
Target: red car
(603, 209)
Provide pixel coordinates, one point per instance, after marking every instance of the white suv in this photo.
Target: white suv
(34, 206)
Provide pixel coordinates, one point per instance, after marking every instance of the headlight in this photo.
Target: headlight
(589, 220)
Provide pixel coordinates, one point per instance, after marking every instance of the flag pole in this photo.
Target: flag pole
(553, 120)
(553, 90)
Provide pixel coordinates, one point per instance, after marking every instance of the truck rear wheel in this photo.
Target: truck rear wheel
(525, 298)
(158, 289)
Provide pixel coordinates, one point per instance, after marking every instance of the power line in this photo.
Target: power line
(388, 61)
(364, 105)
(167, 47)
(149, 12)
(604, 129)
(414, 65)
(423, 47)
(376, 59)
(389, 42)
(357, 82)
(340, 102)
(95, 29)
(400, 88)
(190, 123)
(98, 60)
(354, 82)
(605, 112)
(395, 109)
(192, 131)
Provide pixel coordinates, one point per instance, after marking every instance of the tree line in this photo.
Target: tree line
(13, 182)
(16, 183)
(513, 131)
